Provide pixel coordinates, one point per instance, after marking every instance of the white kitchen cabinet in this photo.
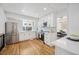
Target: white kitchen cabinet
(26, 35)
(60, 51)
(63, 46)
(49, 38)
(48, 18)
(21, 36)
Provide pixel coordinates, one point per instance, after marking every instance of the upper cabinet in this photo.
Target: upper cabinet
(27, 25)
(46, 21)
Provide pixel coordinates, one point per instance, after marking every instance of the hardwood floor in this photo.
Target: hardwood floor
(30, 47)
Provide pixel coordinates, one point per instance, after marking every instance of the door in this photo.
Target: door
(62, 26)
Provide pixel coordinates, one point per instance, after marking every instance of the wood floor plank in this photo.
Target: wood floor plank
(30, 47)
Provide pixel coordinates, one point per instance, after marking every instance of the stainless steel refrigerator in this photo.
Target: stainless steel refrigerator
(11, 33)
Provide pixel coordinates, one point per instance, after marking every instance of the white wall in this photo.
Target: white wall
(74, 19)
(19, 20)
(72, 12)
(2, 21)
(60, 14)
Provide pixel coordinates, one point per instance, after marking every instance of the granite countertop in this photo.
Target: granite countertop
(68, 45)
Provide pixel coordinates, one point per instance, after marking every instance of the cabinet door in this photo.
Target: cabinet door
(61, 51)
(31, 35)
(27, 36)
(21, 37)
(47, 38)
(53, 37)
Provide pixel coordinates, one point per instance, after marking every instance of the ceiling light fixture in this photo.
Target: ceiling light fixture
(23, 10)
(44, 9)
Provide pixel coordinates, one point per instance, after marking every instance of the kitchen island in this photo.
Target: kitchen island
(64, 46)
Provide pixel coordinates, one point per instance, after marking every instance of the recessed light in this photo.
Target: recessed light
(23, 10)
(44, 9)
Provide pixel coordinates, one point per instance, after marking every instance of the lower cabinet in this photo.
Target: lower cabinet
(26, 36)
(61, 51)
(49, 38)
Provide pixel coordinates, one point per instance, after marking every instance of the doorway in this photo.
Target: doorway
(62, 24)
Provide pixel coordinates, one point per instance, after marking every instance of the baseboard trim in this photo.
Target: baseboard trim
(22, 41)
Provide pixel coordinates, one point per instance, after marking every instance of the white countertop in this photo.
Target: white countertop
(69, 45)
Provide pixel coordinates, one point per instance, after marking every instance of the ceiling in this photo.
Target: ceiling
(33, 9)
